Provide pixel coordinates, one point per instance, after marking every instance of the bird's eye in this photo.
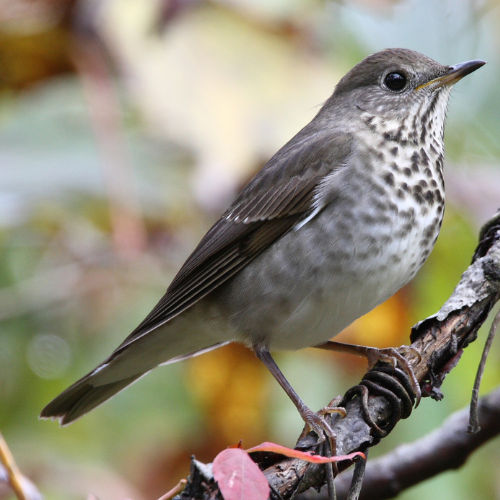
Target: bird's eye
(395, 81)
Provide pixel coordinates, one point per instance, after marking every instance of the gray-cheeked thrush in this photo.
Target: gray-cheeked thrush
(338, 220)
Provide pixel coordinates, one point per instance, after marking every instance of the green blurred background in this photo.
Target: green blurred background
(126, 126)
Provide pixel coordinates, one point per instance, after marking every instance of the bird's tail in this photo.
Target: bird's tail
(116, 373)
(81, 397)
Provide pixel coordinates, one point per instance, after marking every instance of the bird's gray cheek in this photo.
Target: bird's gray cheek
(367, 99)
(377, 103)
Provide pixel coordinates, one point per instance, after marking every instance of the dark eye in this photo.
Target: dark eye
(395, 81)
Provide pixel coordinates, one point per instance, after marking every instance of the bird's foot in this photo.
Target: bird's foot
(318, 430)
(326, 442)
(394, 357)
(317, 423)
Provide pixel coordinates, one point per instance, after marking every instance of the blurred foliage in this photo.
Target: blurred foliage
(125, 127)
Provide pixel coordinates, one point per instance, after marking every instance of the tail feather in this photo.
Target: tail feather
(184, 337)
(120, 370)
(81, 397)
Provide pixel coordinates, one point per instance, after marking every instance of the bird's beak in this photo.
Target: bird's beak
(454, 74)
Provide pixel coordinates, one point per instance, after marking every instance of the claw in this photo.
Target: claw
(316, 423)
(393, 356)
(403, 362)
(333, 407)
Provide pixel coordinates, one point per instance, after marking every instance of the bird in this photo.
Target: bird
(337, 221)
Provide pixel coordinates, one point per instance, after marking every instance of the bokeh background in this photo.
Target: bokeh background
(126, 126)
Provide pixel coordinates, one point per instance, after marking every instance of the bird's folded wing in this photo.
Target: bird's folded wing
(277, 199)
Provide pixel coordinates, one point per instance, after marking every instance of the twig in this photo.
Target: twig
(13, 473)
(474, 425)
(357, 479)
(174, 491)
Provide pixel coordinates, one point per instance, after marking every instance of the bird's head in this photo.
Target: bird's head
(394, 82)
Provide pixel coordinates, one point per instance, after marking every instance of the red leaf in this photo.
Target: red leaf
(303, 455)
(239, 477)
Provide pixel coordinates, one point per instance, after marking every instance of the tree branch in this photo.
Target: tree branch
(439, 341)
(448, 447)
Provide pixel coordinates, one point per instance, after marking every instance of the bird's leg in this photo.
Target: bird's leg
(313, 420)
(390, 355)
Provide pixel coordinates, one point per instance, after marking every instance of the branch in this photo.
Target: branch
(448, 447)
(439, 341)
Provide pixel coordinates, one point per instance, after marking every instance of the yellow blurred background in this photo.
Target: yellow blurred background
(125, 129)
